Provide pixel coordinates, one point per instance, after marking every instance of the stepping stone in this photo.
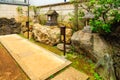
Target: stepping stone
(71, 74)
(37, 62)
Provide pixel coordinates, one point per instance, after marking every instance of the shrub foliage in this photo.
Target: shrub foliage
(106, 13)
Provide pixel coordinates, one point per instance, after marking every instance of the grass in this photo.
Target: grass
(82, 63)
(79, 62)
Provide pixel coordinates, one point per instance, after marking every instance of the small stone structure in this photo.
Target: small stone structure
(51, 17)
(60, 46)
(88, 16)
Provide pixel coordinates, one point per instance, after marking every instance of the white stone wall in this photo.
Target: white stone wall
(63, 10)
(10, 11)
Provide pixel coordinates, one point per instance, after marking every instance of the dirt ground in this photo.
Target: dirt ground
(9, 69)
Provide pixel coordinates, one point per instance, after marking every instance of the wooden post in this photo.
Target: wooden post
(28, 19)
(63, 33)
(64, 40)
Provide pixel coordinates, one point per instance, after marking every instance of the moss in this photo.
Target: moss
(82, 63)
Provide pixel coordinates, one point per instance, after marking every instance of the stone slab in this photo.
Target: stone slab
(37, 62)
(71, 74)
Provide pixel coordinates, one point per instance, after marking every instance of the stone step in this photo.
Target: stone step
(37, 62)
(71, 74)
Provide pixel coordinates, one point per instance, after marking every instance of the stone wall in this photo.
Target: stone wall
(63, 9)
(66, 12)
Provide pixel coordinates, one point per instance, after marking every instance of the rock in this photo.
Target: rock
(24, 30)
(68, 35)
(116, 62)
(114, 40)
(26, 34)
(9, 26)
(12, 21)
(96, 46)
(5, 30)
(87, 29)
(66, 24)
(49, 34)
(118, 29)
(92, 44)
(61, 47)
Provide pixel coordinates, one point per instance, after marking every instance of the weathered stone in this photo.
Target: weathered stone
(5, 30)
(61, 47)
(49, 34)
(71, 74)
(87, 29)
(105, 68)
(118, 29)
(90, 43)
(116, 62)
(25, 29)
(26, 34)
(9, 26)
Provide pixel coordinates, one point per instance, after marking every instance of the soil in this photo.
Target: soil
(9, 69)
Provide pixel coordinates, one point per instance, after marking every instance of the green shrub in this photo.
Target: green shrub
(106, 13)
(97, 77)
(42, 19)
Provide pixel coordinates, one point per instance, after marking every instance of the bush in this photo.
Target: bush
(42, 19)
(106, 13)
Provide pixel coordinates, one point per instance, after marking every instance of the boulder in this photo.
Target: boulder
(25, 34)
(91, 44)
(116, 62)
(9, 26)
(5, 30)
(49, 34)
(60, 46)
(114, 40)
(97, 47)
(24, 30)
